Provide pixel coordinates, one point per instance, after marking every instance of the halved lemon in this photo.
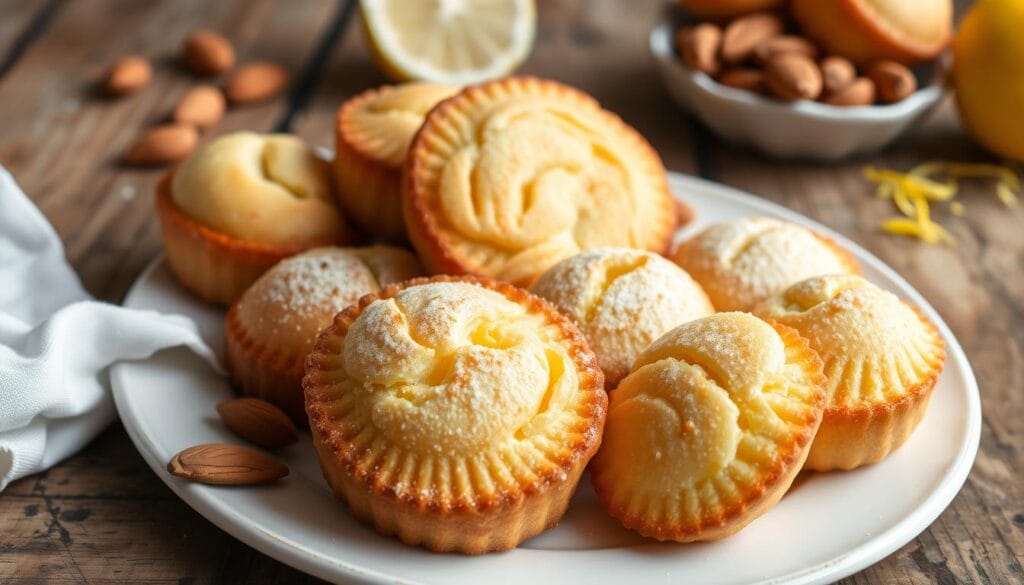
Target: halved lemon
(458, 42)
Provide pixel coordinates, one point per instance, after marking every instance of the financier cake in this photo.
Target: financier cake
(271, 329)
(622, 299)
(882, 359)
(454, 413)
(373, 133)
(710, 428)
(240, 204)
(507, 178)
(743, 261)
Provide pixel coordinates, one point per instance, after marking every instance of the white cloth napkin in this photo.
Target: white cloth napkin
(56, 344)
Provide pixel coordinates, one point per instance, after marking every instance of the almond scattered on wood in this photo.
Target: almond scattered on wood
(201, 106)
(255, 82)
(258, 421)
(224, 464)
(163, 144)
(128, 75)
(208, 53)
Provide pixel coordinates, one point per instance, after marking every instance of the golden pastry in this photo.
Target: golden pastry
(882, 358)
(271, 329)
(622, 299)
(908, 31)
(509, 177)
(455, 413)
(240, 204)
(373, 133)
(710, 428)
(742, 261)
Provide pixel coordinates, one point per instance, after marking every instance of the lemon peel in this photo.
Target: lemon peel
(913, 191)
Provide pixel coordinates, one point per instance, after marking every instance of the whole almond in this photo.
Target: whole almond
(201, 106)
(859, 92)
(744, 78)
(792, 76)
(699, 45)
(163, 144)
(893, 80)
(744, 34)
(784, 44)
(258, 421)
(208, 53)
(836, 73)
(255, 82)
(128, 75)
(224, 464)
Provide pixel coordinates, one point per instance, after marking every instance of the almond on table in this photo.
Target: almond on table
(258, 421)
(163, 144)
(128, 75)
(255, 82)
(201, 106)
(208, 53)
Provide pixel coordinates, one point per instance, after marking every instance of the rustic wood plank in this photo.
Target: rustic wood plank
(21, 25)
(103, 516)
(55, 120)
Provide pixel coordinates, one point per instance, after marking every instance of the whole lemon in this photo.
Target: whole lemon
(988, 74)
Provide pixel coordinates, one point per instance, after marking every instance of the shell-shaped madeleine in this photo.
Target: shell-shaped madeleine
(709, 429)
(509, 177)
(622, 299)
(743, 261)
(881, 358)
(455, 413)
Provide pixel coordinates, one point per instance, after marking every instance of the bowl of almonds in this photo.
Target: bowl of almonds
(756, 80)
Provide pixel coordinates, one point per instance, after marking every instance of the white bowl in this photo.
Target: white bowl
(801, 129)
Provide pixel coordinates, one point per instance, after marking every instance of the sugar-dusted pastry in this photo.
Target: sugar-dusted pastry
(710, 428)
(742, 261)
(509, 177)
(271, 329)
(909, 31)
(240, 204)
(454, 413)
(622, 299)
(373, 132)
(882, 358)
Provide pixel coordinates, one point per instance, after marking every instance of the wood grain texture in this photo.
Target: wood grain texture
(103, 517)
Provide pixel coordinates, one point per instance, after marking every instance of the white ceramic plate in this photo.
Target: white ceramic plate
(828, 526)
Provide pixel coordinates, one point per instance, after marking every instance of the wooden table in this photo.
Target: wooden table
(103, 517)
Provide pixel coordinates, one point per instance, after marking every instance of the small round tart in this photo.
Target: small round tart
(271, 329)
(509, 177)
(743, 261)
(240, 204)
(710, 428)
(622, 299)
(882, 359)
(373, 133)
(455, 413)
(909, 31)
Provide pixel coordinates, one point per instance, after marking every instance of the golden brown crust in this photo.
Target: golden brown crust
(866, 433)
(422, 212)
(213, 265)
(470, 525)
(272, 374)
(772, 484)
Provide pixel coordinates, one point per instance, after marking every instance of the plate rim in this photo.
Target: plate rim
(285, 550)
